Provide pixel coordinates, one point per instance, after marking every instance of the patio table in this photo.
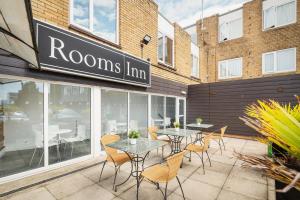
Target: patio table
(176, 137)
(199, 127)
(135, 152)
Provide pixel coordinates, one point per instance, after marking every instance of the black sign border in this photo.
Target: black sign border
(87, 74)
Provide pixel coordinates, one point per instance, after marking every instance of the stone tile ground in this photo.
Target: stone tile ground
(224, 180)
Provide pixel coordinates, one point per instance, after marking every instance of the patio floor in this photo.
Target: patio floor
(225, 180)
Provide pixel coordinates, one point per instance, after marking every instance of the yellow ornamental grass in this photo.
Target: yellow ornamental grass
(279, 124)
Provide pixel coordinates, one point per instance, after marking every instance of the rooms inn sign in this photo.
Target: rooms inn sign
(65, 52)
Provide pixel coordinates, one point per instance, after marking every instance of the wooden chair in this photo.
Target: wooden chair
(152, 131)
(219, 138)
(197, 148)
(114, 157)
(164, 172)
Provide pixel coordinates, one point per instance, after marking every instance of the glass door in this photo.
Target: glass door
(181, 112)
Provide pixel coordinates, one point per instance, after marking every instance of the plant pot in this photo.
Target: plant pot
(132, 141)
(176, 129)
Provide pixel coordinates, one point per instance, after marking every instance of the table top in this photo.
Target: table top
(143, 145)
(200, 125)
(174, 132)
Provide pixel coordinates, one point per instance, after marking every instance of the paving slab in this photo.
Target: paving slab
(36, 194)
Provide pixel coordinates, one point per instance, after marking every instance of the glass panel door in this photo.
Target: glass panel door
(157, 111)
(69, 130)
(21, 126)
(170, 111)
(138, 120)
(181, 115)
(114, 112)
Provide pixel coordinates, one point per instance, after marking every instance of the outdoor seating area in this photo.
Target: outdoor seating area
(138, 171)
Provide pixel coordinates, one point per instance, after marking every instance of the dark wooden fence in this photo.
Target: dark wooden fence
(224, 102)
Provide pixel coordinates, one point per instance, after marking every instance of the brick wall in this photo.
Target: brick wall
(137, 18)
(251, 46)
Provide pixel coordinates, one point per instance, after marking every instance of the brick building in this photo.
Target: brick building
(244, 38)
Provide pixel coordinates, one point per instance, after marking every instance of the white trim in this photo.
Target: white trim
(91, 20)
(46, 123)
(275, 67)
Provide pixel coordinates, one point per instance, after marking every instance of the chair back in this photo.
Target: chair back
(223, 130)
(207, 141)
(107, 139)
(152, 131)
(174, 163)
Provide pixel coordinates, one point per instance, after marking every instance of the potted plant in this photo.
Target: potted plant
(133, 135)
(279, 125)
(199, 120)
(176, 125)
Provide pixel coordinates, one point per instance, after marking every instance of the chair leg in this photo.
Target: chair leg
(162, 151)
(41, 158)
(30, 163)
(166, 191)
(220, 146)
(116, 172)
(202, 163)
(72, 147)
(223, 143)
(180, 187)
(102, 170)
(208, 158)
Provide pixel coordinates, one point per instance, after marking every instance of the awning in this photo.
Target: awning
(16, 31)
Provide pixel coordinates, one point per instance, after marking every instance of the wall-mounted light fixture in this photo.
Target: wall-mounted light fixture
(145, 41)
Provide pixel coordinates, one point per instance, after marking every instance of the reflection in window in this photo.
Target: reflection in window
(69, 131)
(165, 49)
(181, 113)
(170, 111)
(138, 120)
(103, 15)
(21, 126)
(157, 111)
(114, 112)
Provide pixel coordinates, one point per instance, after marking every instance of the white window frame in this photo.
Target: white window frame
(91, 21)
(226, 23)
(227, 69)
(163, 51)
(275, 17)
(275, 70)
(192, 66)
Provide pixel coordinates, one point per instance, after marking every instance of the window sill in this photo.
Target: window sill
(279, 27)
(195, 78)
(230, 78)
(161, 64)
(85, 32)
(279, 73)
(229, 40)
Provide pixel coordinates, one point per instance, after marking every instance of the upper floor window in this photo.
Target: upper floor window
(279, 61)
(231, 68)
(192, 31)
(194, 60)
(231, 25)
(165, 41)
(96, 16)
(278, 13)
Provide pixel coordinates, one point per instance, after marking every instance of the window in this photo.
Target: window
(157, 111)
(230, 68)
(279, 61)
(192, 31)
(278, 13)
(165, 49)
(231, 25)
(195, 66)
(96, 16)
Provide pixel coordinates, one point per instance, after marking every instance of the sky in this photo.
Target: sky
(186, 12)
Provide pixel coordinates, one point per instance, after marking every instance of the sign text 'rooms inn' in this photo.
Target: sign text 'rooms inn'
(66, 52)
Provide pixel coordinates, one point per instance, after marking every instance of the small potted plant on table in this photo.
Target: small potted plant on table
(199, 120)
(133, 135)
(176, 125)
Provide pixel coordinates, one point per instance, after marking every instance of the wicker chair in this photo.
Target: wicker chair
(196, 148)
(165, 172)
(219, 138)
(114, 157)
(152, 131)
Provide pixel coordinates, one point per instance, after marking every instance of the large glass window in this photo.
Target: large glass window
(195, 66)
(96, 16)
(138, 115)
(157, 111)
(231, 25)
(170, 111)
(181, 113)
(278, 13)
(114, 112)
(279, 61)
(21, 126)
(165, 49)
(231, 68)
(69, 130)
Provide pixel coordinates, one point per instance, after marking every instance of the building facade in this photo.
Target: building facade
(257, 39)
